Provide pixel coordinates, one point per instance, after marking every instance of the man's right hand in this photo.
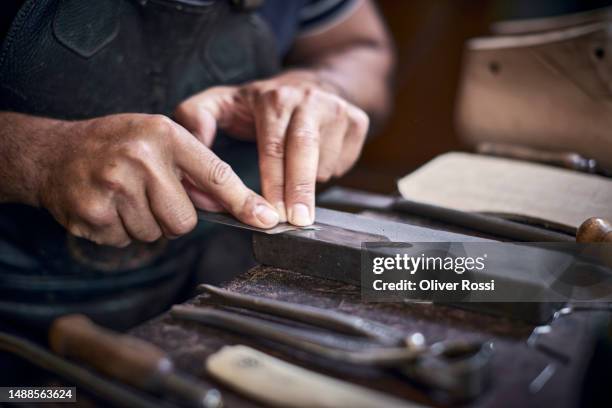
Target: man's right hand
(120, 178)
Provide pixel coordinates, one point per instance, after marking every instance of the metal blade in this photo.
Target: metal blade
(387, 230)
(360, 226)
(226, 219)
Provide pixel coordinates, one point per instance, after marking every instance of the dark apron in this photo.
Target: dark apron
(77, 59)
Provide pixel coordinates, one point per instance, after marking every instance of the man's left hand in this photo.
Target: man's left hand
(305, 133)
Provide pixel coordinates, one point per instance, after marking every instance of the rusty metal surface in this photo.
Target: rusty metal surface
(515, 364)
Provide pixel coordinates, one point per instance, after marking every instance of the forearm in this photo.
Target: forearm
(362, 73)
(22, 141)
(356, 57)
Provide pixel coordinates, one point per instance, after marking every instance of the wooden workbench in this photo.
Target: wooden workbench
(515, 364)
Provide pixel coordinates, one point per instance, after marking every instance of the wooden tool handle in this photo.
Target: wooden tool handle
(594, 230)
(121, 357)
(277, 383)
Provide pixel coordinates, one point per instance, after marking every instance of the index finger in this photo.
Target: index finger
(301, 163)
(212, 175)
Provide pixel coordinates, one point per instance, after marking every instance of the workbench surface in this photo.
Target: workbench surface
(514, 367)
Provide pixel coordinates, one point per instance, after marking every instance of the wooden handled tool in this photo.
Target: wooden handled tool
(594, 230)
(280, 384)
(126, 359)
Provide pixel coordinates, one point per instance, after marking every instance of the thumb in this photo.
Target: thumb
(204, 112)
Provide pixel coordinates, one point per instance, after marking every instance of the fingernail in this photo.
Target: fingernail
(266, 215)
(282, 212)
(299, 215)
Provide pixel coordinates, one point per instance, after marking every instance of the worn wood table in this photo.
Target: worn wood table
(515, 364)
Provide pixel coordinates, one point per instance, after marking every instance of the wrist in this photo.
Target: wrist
(28, 145)
(319, 77)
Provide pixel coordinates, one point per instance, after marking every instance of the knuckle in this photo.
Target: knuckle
(140, 150)
(160, 125)
(112, 180)
(253, 92)
(184, 224)
(361, 120)
(306, 135)
(312, 93)
(274, 148)
(245, 210)
(281, 95)
(96, 214)
(302, 189)
(149, 234)
(220, 172)
(254, 87)
(339, 107)
(274, 190)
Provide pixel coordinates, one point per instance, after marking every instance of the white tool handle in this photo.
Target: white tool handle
(277, 383)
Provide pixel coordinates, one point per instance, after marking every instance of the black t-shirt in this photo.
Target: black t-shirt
(286, 18)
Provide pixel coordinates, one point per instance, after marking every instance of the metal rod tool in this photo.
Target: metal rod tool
(488, 224)
(328, 319)
(457, 368)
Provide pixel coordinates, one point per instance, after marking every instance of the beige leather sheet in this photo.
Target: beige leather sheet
(510, 188)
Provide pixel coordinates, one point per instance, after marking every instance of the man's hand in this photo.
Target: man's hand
(119, 177)
(305, 133)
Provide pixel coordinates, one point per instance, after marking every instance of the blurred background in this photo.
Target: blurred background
(429, 37)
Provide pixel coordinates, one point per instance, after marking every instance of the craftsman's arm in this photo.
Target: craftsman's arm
(22, 140)
(117, 178)
(310, 122)
(355, 56)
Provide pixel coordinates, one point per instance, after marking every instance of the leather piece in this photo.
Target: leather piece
(86, 27)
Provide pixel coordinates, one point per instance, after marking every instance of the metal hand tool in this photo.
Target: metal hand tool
(333, 347)
(356, 199)
(354, 226)
(129, 360)
(457, 368)
(225, 219)
(328, 319)
(106, 390)
(552, 338)
(568, 160)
